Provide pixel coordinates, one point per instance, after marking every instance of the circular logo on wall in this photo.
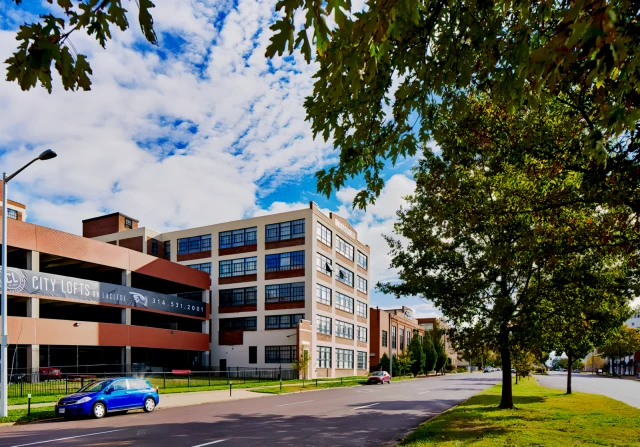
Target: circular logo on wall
(408, 313)
(16, 280)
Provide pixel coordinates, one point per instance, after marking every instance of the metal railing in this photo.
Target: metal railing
(39, 384)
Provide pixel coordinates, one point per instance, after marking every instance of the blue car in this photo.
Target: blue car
(109, 395)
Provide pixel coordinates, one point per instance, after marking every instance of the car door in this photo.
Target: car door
(137, 392)
(118, 398)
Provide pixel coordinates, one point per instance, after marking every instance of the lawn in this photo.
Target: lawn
(36, 414)
(543, 417)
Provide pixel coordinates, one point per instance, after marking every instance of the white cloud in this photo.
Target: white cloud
(117, 143)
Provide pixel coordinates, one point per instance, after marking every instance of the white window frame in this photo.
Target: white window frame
(324, 235)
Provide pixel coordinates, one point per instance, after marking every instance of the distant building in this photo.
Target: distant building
(428, 325)
(391, 331)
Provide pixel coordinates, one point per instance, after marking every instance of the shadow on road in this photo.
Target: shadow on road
(382, 422)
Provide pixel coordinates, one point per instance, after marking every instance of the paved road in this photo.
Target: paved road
(627, 391)
(359, 416)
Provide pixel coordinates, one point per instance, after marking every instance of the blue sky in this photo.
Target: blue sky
(199, 130)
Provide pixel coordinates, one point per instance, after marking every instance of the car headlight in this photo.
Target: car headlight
(83, 400)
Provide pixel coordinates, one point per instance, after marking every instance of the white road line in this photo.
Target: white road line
(69, 437)
(210, 443)
(424, 392)
(365, 406)
(294, 403)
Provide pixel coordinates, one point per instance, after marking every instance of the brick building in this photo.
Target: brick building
(391, 331)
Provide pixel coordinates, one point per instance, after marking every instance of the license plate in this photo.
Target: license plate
(61, 410)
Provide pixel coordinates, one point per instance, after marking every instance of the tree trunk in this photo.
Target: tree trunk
(506, 400)
(570, 362)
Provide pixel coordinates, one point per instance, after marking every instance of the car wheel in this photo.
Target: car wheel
(149, 404)
(99, 410)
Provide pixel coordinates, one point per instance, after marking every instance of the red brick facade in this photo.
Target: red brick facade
(237, 279)
(284, 274)
(193, 256)
(230, 338)
(286, 305)
(282, 244)
(237, 250)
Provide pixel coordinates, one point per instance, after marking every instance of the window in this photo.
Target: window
(324, 357)
(324, 325)
(408, 337)
(362, 333)
(285, 230)
(323, 264)
(421, 340)
(167, 249)
(238, 267)
(344, 248)
(128, 223)
(401, 339)
(344, 359)
(362, 260)
(324, 234)
(362, 360)
(280, 354)
(12, 214)
(253, 354)
(343, 302)
(284, 261)
(247, 296)
(344, 330)
(154, 247)
(361, 310)
(344, 275)
(323, 294)
(204, 267)
(239, 324)
(280, 293)
(120, 385)
(362, 285)
(282, 321)
(238, 238)
(393, 337)
(384, 339)
(194, 244)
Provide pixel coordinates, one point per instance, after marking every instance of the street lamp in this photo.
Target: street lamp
(46, 155)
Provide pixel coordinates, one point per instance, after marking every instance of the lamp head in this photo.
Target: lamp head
(47, 155)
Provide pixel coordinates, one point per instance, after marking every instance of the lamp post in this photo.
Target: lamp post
(46, 155)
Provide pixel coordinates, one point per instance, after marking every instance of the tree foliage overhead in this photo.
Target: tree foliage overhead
(47, 42)
(388, 72)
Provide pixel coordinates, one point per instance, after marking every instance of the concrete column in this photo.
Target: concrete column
(33, 261)
(33, 311)
(126, 278)
(125, 318)
(126, 359)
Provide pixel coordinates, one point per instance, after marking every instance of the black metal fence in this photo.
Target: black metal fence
(22, 384)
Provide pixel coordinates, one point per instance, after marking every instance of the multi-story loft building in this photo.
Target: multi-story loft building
(281, 284)
(87, 306)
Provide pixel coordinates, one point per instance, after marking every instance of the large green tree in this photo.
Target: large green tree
(586, 302)
(389, 73)
(492, 216)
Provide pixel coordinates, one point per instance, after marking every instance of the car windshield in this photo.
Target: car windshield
(379, 373)
(95, 386)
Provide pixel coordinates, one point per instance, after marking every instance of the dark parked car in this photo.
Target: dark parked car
(379, 377)
(109, 395)
(50, 373)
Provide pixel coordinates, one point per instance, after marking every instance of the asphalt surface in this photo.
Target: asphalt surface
(373, 415)
(627, 391)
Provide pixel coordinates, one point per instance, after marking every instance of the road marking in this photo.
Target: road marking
(365, 406)
(294, 403)
(210, 443)
(69, 437)
(424, 392)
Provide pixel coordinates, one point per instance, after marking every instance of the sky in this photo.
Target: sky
(198, 130)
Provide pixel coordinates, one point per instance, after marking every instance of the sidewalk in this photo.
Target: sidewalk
(183, 399)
